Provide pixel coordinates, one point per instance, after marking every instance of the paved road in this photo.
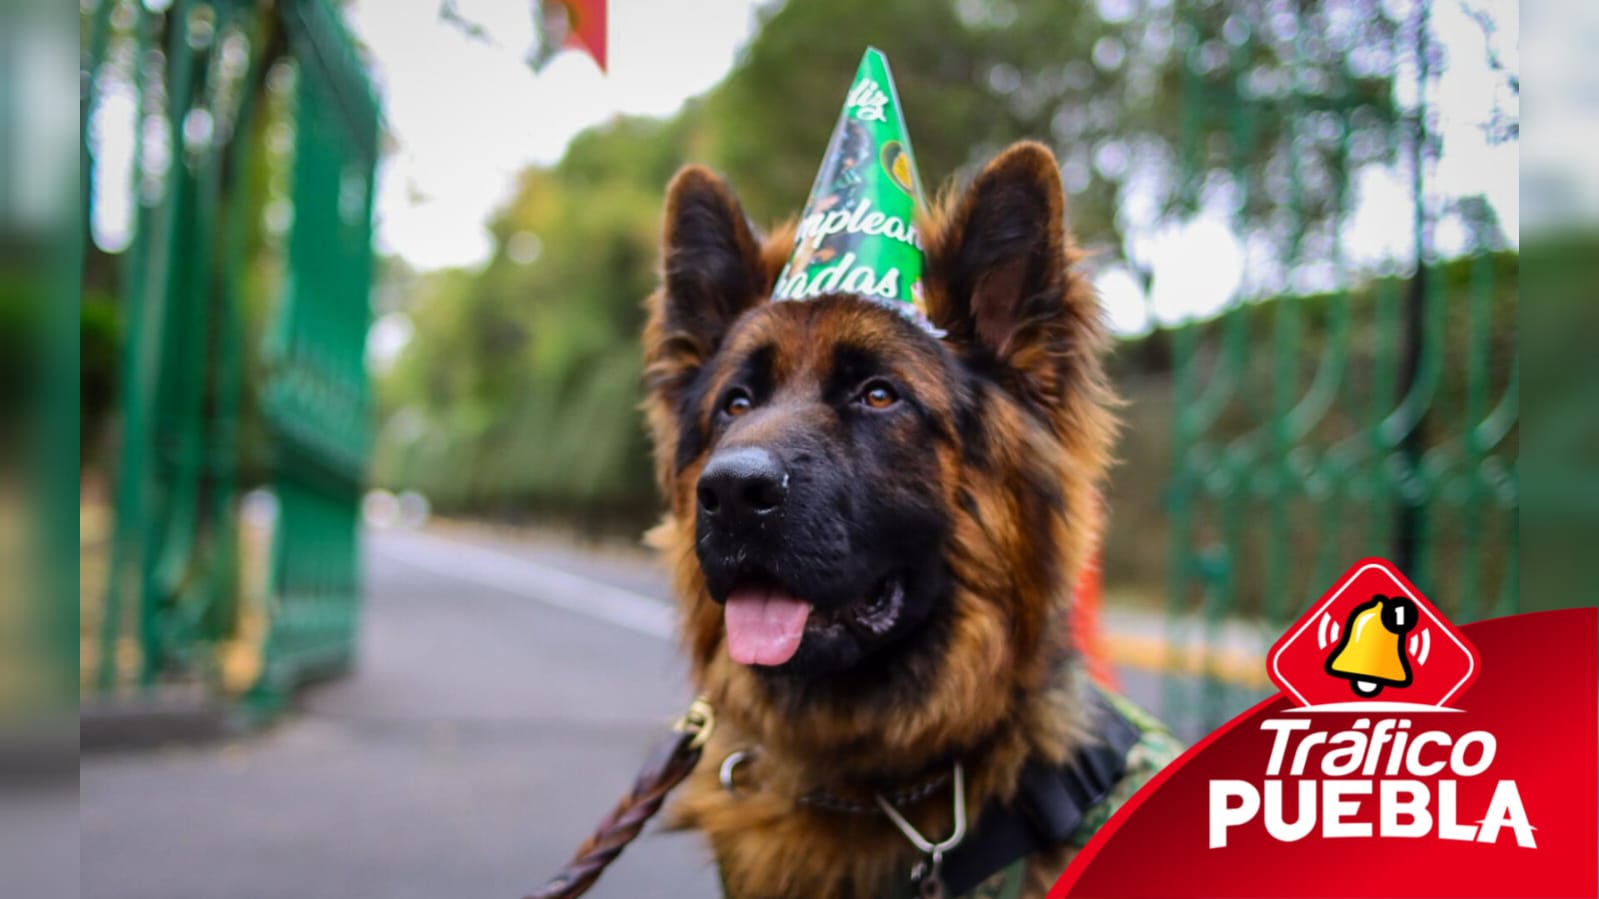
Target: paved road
(482, 734)
(504, 696)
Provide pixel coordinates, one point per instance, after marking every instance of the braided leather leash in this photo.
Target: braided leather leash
(670, 762)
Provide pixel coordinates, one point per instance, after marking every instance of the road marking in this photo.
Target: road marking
(531, 580)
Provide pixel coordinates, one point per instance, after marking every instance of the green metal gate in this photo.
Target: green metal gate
(1375, 418)
(216, 85)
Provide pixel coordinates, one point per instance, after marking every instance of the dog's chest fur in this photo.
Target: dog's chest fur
(769, 844)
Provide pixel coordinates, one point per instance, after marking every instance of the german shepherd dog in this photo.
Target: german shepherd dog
(874, 533)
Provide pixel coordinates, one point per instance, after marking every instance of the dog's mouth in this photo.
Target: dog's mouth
(766, 624)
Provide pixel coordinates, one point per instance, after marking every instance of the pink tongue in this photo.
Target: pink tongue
(764, 628)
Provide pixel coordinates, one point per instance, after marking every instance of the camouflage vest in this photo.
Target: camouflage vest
(1153, 749)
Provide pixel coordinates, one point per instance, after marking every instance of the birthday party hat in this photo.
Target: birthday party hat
(858, 232)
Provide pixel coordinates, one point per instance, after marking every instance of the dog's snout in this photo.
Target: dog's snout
(741, 486)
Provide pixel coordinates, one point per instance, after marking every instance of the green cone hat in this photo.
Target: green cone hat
(858, 232)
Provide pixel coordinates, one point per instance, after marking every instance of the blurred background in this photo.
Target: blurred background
(359, 367)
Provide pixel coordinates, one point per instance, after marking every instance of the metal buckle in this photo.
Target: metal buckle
(698, 721)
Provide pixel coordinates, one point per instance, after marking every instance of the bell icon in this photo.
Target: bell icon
(1371, 654)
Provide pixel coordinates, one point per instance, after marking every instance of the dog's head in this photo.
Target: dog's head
(863, 518)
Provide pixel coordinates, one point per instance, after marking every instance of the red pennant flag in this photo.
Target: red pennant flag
(571, 25)
(588, 28)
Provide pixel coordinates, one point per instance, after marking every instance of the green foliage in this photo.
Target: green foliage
(1275, 113)
(99, 336)
(521, 386)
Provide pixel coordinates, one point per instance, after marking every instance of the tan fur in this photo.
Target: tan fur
(1004, 696)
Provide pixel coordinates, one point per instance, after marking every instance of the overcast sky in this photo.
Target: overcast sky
(466, 115)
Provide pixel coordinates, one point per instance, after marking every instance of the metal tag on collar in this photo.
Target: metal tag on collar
(927, 876)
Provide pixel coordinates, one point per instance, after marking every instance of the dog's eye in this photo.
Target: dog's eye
(879, 395)
(737, 403)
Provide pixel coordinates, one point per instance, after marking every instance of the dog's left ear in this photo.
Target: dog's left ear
(999, 278)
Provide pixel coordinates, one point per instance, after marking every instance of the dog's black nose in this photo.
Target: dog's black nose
(739, 487)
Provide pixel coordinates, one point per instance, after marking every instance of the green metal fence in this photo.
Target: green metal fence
(1374, 417)
(206, 227)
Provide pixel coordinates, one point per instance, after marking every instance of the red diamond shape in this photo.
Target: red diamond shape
(1370, 607)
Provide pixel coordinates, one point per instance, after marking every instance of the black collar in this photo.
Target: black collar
(1050, 802)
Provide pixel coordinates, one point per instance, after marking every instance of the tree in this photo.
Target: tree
(1262, 106)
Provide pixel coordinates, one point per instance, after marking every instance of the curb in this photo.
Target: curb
(106, 725)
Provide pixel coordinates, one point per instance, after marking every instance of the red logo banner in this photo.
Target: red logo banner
(1405, 757)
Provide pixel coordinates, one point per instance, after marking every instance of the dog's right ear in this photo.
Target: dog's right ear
(711, 262)
(712, 271)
